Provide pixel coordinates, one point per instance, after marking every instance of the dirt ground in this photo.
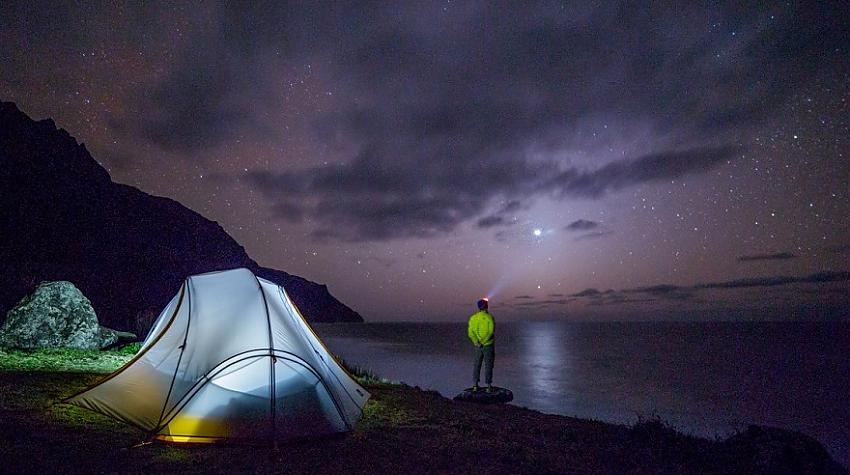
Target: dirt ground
(403, 430)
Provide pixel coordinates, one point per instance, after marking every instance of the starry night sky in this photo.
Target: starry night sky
(572, 160)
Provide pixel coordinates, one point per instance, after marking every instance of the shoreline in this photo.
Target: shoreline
(709, 380)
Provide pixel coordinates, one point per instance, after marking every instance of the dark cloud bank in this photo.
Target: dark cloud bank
(388, 201)
(817, 278)
(585, 225)
(582, 225)
(491, 221)
(594, 235)
(453, 108)
(779, 256)
(669, 292)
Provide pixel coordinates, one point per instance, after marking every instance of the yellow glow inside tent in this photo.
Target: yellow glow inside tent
(184, 439)
(185, 426)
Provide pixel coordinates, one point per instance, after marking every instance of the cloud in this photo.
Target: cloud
(587, 293)
(779, 256)
(817, 278)
(677, 292)
(523, 297)
(619, 301)
(490, 221)
(368, 202)
(594, 235)
(545, 303)
(645, 169)
(508, 208)
(666, 291)
(582, 225)
(658, 289)
(511, 207)
(198, 104)
(290, 210)
(385, 262)
(190, 113)
(436, 117)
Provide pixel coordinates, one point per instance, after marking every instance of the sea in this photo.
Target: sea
(707, 379)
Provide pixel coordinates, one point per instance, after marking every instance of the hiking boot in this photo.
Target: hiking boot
(489, 389)
(475, 388)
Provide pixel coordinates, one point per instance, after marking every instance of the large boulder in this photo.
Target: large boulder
(56, 315)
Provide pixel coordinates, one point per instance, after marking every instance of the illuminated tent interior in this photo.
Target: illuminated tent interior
(230, 358)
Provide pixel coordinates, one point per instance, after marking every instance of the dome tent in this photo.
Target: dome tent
(230, 358)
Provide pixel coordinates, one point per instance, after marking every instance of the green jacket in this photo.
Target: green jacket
(481, 328)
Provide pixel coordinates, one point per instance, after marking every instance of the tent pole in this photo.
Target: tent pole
(272, 395)
(182, 349)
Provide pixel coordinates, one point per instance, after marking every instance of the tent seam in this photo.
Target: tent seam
(272, 378)
(179, 358)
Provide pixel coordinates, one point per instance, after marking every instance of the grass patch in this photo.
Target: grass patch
(363, 375)
(130, 349)
(67, 359)
(378, 414)
(174, 454)
(79, 417)
(106, 361)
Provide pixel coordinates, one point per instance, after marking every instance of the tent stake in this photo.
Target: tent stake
(140, 444)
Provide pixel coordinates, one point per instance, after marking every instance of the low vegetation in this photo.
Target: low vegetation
(362, 374)
(67, 359)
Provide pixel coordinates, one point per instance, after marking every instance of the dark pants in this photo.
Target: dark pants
(488, 355)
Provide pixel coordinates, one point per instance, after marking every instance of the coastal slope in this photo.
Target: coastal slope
(403, 430)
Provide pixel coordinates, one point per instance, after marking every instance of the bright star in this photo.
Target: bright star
(538, 232)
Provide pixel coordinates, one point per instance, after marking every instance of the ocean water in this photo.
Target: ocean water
(707, 379)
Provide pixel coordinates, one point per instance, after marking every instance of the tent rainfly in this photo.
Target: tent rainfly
(230, 358)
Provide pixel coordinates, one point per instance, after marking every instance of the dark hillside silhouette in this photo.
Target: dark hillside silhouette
(62, 218)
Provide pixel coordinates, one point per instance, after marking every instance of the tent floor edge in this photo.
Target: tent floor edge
(254, 442)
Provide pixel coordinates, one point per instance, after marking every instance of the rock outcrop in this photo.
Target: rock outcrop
(62, 218)
(56, 315)
(775, 450)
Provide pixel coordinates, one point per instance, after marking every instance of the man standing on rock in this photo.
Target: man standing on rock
(481, 329)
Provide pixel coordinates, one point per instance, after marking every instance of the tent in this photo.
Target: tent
(230, 358)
